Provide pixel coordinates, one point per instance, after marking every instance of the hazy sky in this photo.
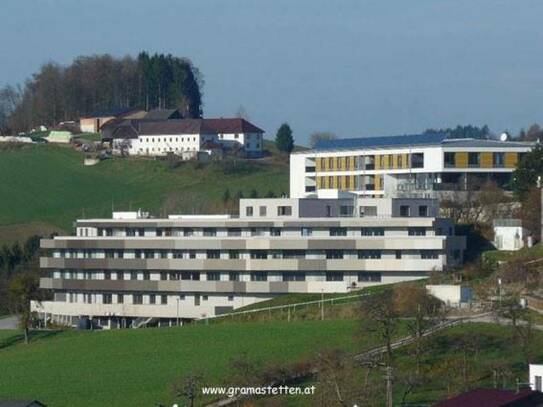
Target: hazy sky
(357, 68)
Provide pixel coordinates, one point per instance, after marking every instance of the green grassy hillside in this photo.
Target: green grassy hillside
(49, 186)
(137, 367)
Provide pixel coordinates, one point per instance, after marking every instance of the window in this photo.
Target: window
(233, 276)
(423, 210)
(205, 297)
(330, 163)
(368, 211)
(382, 161)
(275, 231)
(334, 254)
(233, 254)
(338, 231)
(372, 231)
(331, 276)
(188, 232)
(417, 160)
(107, 275)
(474, 159)
(259, 254)
(404, 210)
(107, 299)
(213, 276)
(398, 254)
(538, 383)
(293, 276)
(163, 276)
(146, 275)
(390, 160)
(257, 232)
(249, 211)
(190, 275)
(400, 161)
(284, 210)
(429, 254)
(137, 299)
(290, 254)
(449, 159)
(230, 298)
(234, 232)
(323, 163)
(307, 231)
(120, 299)
(262, 210)
(177, 254)
(346, 210)
(328, 211)
(210, 232)
(152, 299)
(365, 276)
(498, 160)
(192, 254)
(369, 254)
(416, 232)
(133, 275)
(259, 276)
(213, 254)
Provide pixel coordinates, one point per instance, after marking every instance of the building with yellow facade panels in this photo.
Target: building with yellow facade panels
(422, 165)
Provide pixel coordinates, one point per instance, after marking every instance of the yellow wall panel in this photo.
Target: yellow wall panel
(461, 160)
(317, 164)
(486, 160)
(511, 160)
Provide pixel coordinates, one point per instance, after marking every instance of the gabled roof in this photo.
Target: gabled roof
(494, 398)
(378, 142)
(163, 114)
(233, 125)
(118, 112)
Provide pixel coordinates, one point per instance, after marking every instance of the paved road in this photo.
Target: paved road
(10, 322)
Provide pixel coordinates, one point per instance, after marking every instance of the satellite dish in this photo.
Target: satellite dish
(504, 136)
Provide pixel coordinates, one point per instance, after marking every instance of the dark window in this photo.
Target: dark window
(372, 231)
(429, 254)
(331, 276)
(262, 211)
(146, 275)
(163, 276)
(213, 254)
(417, 231)
(293, 276)
(474, 159)
(259, 276)
(275, 231)
(259, 254)
(190, 275)
(234, 232)
(450, 160)
(107, 298)
(423, 210)
(284, 210)
(133, 275)
(292, 254)
(233, 254)
(368, 211)
(188, 232)
(334, 254)
(152, 299)
(249, 211)
(107, 275)
(404, 210)
(498, 160)
(210, 232)
(398, 254)
(213, 276)
(417, 160)
(346, 210)
(328, 211)
(137, 299)
(233, 276)
(177, 254)
(192, 254)
(369, 254)
(366, 276)
(338, 231)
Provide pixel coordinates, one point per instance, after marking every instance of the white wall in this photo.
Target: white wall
(536, 377)
(509, 237)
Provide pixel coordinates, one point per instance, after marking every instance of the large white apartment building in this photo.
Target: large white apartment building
(413, 165)
(183, 137)
(133, 268)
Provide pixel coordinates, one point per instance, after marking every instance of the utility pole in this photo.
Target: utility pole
(322, 305)
(388, 379)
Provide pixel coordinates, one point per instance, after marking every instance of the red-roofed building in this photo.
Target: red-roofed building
(495, 398)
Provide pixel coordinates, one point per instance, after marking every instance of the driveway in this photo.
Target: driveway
(10, 322)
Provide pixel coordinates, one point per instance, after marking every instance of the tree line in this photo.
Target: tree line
(100, 82)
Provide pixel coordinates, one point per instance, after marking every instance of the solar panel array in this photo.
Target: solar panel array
(375, 142)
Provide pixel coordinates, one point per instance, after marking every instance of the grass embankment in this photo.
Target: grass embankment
(137, 367)
(49, 184)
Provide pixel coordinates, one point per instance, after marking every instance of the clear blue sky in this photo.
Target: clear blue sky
(357, 68)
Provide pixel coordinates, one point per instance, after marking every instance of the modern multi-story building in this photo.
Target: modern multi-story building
(134, 268)
(183, 137)
(411, 165)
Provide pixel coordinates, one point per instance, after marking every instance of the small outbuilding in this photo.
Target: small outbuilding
(450, 294)
(93, 122)
(509, 234)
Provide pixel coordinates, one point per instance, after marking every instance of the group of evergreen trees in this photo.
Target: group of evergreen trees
(101, 82)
